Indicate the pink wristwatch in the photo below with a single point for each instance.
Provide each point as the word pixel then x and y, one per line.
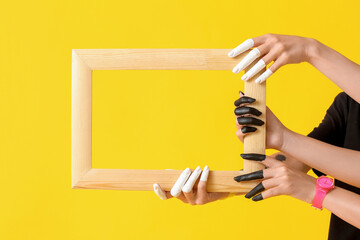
pixel 323 186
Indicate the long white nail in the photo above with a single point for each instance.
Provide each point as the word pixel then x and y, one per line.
pixel 159 192
pixel 247 60
pixel 192 179
pixel 264 76
pixel 205 174
pixel 180 182
pixel 254 70
pixel 246 45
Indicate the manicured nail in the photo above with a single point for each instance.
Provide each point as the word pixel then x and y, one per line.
pixel 247 129
pixel 244 77
pixel 191 181
pixel 205 174
pixel 264 76
pixel 241 92
pixel 259 188
pixel 253 156
pixel 257 198
pixel 180 182
pixel 250 176
pixel 161 194
pixel 244 99
pixel 231 54
pixel 236 70
pixel 250 120
pixel 246 110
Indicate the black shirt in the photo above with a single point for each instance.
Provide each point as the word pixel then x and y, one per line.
pixel 341 127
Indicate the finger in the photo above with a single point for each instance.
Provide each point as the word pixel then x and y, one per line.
pixel 250 120
pixel 191 181
pixel 254 70
pixel 271 162
pixel 246 45
pixel 246 110
pixel 158 191
pixel 250 176
pixel 272 192
pixel 182 198
pixel 279 62
pixel 247 60
pixel 259 188
pixel 247 129
pixel 260 174
pixel 253 156
pixel 203 180
pixel 180 182
pixel 243 100
pixel 264 76
pixel 266 184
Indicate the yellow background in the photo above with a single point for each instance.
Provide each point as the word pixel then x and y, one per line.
pixel 153 120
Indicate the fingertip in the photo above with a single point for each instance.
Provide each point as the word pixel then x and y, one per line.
pixel 191 181
pixel 258 198
pixel 236 70
pixel 231 54
pixel 205 174
pixel 159 192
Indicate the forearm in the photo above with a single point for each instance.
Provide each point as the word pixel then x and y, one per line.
pixel 339 69
pixel 344 204
pixel 340 163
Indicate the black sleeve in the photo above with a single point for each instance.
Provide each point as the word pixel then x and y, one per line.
pixel 332 129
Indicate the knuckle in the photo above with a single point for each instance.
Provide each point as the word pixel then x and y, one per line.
pixel 280 46
pixel 239 133
pixel 285 57
pixel 283 169
pixel 269 35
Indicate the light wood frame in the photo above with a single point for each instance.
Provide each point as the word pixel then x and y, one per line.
pixel 84 61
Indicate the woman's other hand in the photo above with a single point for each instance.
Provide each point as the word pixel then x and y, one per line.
pixel 280 49
pixel 246 122
pixel 278 179
pixel 189 190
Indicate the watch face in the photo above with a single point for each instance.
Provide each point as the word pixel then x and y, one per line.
pixel 325 182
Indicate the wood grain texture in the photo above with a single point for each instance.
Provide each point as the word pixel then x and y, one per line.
pixel 86 60
pixel 80 119
pixel 158 59
pixel 131 179
pixel 255 142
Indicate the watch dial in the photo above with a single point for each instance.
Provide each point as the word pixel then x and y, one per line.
pixel 325 182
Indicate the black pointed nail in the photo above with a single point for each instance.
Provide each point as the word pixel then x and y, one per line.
pixel 259 188
pixel 246 110
pixel 250 176
pixel 247 129
pixel 250 120
pixel 241 92
pixel 244 99
pixel 280 157
pixel 253 156
pixel 257 198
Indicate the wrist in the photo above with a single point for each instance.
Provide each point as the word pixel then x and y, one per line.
pixel 285 138
pixel 313 50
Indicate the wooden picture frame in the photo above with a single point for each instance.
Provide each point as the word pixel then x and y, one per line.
pixel 84 61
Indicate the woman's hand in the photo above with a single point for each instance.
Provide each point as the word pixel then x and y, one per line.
pixel 183 188
pixel 246 122
pixel 282 49
pixel 279 179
